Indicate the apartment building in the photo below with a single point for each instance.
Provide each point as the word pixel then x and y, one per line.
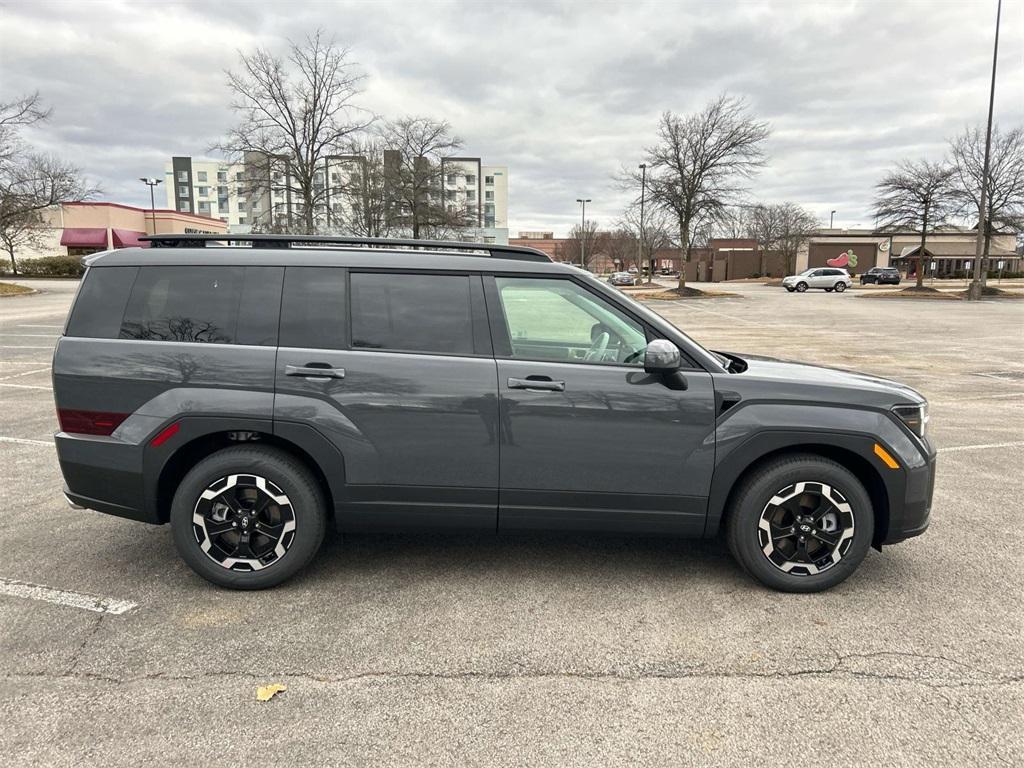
pixel 262 190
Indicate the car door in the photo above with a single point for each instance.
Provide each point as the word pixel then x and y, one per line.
pixel 396 370
pixel 818 279
pixel 588 439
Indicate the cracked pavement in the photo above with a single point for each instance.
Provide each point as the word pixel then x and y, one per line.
pixel 542 650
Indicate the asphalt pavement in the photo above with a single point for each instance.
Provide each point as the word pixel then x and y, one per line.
pixel 538 650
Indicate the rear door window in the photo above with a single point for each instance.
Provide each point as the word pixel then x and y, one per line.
pixel 313 308
pixel 412 313
pixel 184 303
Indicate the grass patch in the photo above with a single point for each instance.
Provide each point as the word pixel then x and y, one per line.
pixel 991 292
pixel 913 292
pixel 10 289
pixel 675 294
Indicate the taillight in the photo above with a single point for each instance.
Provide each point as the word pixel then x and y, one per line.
pixel 89 422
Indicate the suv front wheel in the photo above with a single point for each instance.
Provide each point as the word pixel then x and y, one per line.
pixel 248 517
pixel 800 523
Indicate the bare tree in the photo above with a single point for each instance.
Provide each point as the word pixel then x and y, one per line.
pixel 733 221
pixel 699 162
pixel 781 227
pixel 30 183
pixel 919 196
pixel 361 201
pixel 655 235
pixel 581 247
pixel 1004 203
pixel 293 112
pixel 414 169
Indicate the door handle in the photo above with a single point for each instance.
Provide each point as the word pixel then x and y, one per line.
pixel 314 371
pixel 537 383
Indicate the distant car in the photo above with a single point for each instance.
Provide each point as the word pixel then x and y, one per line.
pixel 621 278
pixel 881 276
pixel 827 278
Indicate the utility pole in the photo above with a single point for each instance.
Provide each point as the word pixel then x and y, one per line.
pixel 583 228
pixel 640 255
pixel 831 219
pixel 151 183
pixel 974 290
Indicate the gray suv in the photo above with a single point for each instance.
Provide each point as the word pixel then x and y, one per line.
pixel 254 394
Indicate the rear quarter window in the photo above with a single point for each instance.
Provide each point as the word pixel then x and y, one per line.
pixel 186 303
pixel 101 302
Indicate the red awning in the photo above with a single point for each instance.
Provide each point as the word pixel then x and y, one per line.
pixel 84 237
pixel 128 238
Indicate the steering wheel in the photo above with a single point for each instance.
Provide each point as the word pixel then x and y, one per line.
pixel 598 347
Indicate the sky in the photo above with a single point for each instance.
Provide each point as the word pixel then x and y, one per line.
pixel 563 93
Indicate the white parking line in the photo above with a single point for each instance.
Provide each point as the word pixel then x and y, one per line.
pixel 24 386
pixel 27 325
pixel 62 597
pixel 28 335
pixel 22 346
pixel 984 446
pixel 24 373
pixel 26 441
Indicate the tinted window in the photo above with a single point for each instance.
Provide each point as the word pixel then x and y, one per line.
pixel 313 308
pixel 260 307
pixel 559 320
pixel 193 304
pixel 413 313
pixel 101 301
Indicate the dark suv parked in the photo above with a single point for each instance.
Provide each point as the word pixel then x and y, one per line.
pixel 881 276
pixel 253 396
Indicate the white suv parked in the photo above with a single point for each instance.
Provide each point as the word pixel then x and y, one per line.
pixel 829 278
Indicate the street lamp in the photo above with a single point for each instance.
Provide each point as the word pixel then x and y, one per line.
pixel 974 289
pixel 583 227
pixel 831 219
pixel 151 183
pixel 640 255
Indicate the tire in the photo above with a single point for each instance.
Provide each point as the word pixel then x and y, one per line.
pixel 840 287
pixel 262 475
pixel 790 289
pixel 799 476
pixel 828 290
pixel 801 287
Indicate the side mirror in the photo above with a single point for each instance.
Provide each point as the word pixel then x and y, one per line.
pixel 661 356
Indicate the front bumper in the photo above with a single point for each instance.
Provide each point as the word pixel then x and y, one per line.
pixel 912 516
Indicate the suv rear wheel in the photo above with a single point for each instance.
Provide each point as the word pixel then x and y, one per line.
pixel 840 287
pixel 800 523
pixel 248 517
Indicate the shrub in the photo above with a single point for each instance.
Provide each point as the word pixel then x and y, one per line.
pixel 49 266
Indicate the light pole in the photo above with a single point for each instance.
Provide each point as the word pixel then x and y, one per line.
pixel 640 255
pixel 151 183
pixel 974 290
pixel 831 219
pixel 583 227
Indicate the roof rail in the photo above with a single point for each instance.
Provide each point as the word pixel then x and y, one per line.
pixel 519 253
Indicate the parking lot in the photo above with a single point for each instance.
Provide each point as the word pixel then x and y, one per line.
pixel 538 650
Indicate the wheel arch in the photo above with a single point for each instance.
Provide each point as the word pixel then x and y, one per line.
pixel 164 469
pixel 843 449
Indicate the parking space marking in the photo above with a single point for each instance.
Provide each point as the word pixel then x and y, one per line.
pixel 29 591
pixel 28 335
pixel 24 373
pixel 27 325
pixel 26 441
pixel 983 446
pixel 22 346
pixel 24 386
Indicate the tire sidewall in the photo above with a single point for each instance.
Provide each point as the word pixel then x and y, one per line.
pixel 801 287
pixel 840 287
pixel 283 471
pixel 746 513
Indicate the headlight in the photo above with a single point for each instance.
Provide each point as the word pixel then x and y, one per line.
pixel 914 416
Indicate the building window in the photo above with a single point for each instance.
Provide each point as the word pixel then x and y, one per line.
pixel 488 195
pixel 452 178
pixel 222 176
pixel 489 181
pixel 183 206
pixel 182 175
pixel 204 191
pixel 449 194
pixel 182 190
pixel 201 175
pixel 470 178
pixel 471 195
pixel 204 206
pixel 239 176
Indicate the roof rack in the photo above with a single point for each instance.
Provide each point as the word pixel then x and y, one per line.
pixel 493 250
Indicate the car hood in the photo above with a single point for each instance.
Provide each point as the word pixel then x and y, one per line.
pixel 832 384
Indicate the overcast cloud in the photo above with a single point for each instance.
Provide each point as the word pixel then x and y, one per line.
pixel 563 93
